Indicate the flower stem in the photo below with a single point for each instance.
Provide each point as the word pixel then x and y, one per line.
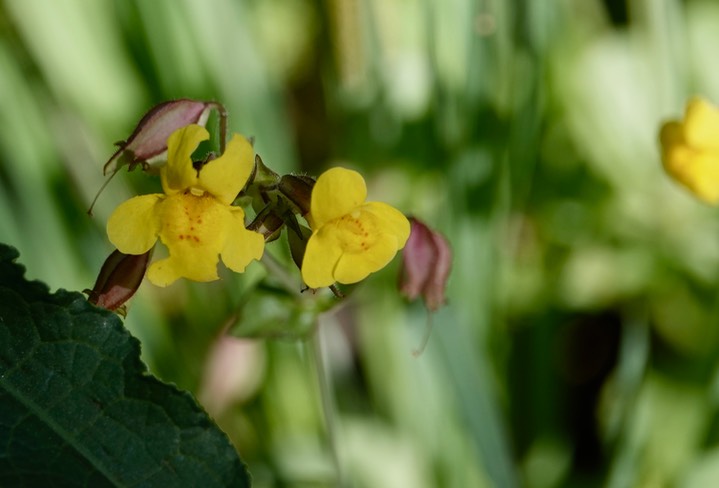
pixel 94 200
pixel 275 268
pixel 428 331
pixel 222 115
pixel 326 397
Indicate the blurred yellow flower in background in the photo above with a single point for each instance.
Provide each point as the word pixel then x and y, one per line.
pixel 194 218
pixel 690 149
pixel 350 238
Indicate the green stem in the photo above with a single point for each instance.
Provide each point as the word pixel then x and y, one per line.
pixel 326 397
pixel 222 115
pixel 276 269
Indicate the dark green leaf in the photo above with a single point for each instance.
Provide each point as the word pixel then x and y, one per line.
pixel 78 408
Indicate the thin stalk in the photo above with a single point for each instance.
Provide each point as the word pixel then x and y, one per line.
pixel 326 397
pixel 94 200
pixel 276 269
pixel 222 115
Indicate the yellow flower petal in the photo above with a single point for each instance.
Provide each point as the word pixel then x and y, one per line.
pixel 695 163
pixel 225 176
pixel 354 267
pixel 701 174
pixel 194 229
pixel 389 220
pixel 184 262
pixel 701 126
pixel 242 245
pixel 134 225
pixel 178 174
pixel 321 256
pixel 338 191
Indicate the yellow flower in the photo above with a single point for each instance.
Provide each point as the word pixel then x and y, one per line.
pixel 194 218
pixel 350 238
pixel 690 149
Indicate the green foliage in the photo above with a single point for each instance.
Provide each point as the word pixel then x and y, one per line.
pixel 78 408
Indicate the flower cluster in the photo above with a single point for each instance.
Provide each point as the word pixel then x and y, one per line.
pixel 335 235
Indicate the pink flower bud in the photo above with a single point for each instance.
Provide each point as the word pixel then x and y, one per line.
pixel 119 279
pixel 426 262
pixel 148 142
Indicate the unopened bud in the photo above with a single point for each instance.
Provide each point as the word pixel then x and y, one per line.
pixel 267 223
pixel 426 263
pixel 148 142
pixel 298 190
pixel 262 175
pixel 119 279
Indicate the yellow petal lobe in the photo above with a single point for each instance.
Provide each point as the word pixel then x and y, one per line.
pixel 242 245
pixel 133 226
pixel 389 220
pixel 321 256
pixel 337 192
pixel 690 150
pixel 225 176
pixel 701 126
pixel 354 267
pixel 183 263
pixel 178 174
pixel 194 229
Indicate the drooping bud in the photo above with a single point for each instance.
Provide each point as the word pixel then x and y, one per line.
pixel 426 263
pixel 267 223
pixel 298 190
pixel 148 142
pixel 119 279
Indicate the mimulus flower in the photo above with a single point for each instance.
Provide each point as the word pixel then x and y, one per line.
pixel 194 218
pixel 690 149
pixel 350 238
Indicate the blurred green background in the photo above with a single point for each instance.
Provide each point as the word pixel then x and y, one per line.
pixel 579 345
